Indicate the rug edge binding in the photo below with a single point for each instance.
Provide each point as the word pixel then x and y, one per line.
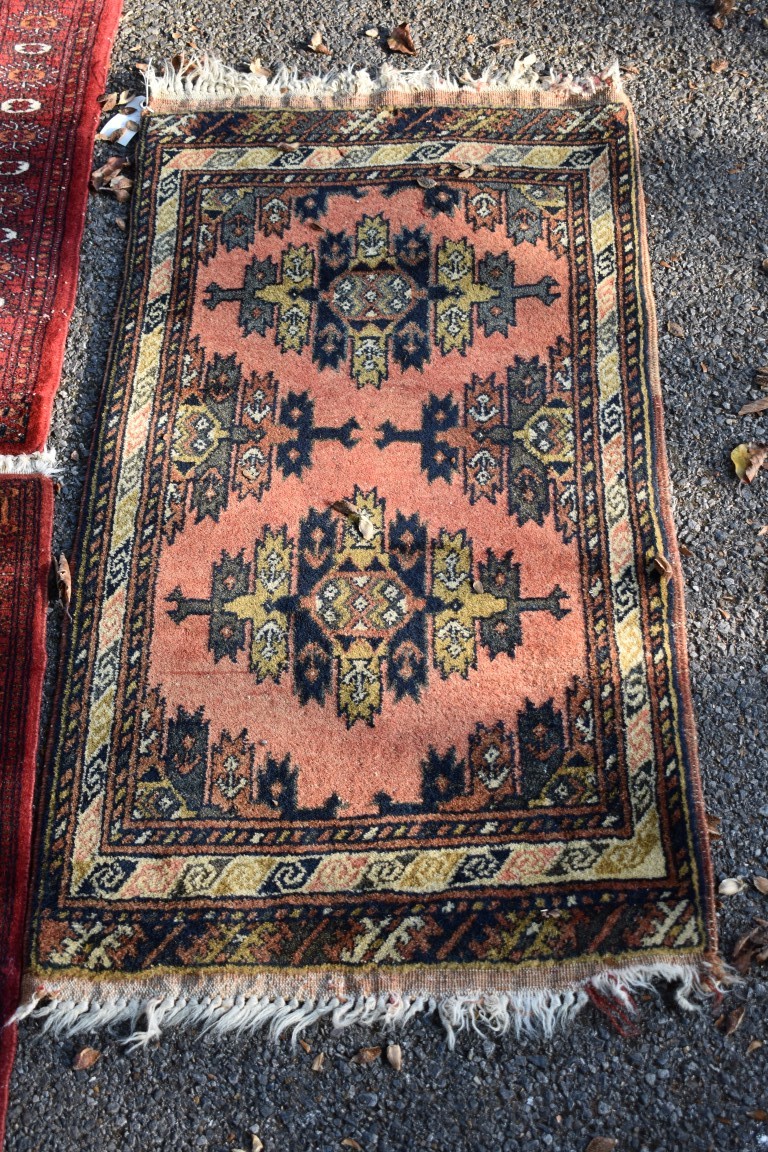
pixel 200 82
pixel 534 1011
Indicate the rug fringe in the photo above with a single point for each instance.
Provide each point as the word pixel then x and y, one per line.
pixel 200 81
pixel 43 462
pixel 525 1011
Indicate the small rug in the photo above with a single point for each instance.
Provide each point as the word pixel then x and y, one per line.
pixel 375 700
pixel 26 516
pixel 53 61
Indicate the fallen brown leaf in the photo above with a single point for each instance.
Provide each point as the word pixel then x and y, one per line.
pixel 86 1058
pixel 719 65
pixel 753 406
pixel 401 40
pixel 729 1022
pixel 753 1046
pixel 64 582
pixel 101 177
pixel 758 1114
pixel 466 172
pixel 316 44
pixel 504 42
pixel 256 68
pixel 349 1142
pixel 713 826
pixel 111 100
pixel 120 223
pixel 366 1055
pixel 751 948
pixel 601 1144
pixel 764 530
pixel 426 182
pixel 305 1044
pixel 684 549
pixel 317 1063
pixel 662 566
pixel 721 10
pixel 676 329
pixel 761 376
pixel 761 883
pixel 256 1143
pixel 748 459
pixel 394 1056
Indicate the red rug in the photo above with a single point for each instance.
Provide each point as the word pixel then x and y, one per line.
pixel 53 63
pixel 26 516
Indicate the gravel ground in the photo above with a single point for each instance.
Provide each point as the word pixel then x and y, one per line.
pixel 681 1084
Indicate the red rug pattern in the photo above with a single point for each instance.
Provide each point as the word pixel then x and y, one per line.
pixel 53 63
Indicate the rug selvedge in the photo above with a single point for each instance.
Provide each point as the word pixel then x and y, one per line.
pixel 456 756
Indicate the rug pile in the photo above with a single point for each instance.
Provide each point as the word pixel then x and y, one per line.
pixel 374 700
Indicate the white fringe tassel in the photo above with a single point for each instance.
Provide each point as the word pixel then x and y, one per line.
pixel 44 462
pixel 527 1011
pixel 204 80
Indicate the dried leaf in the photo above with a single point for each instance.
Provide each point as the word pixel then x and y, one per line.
pixel 426 182
pixel 684 550
pixel 349 1142
pixel 719 65
pixel 713 826
pixel 764 530
pixel 111 100
pixel 761 883
pixel 100 177
pixel 344 507
pixel 64 582
pixel 758 1114
pixel 256 1144
pixel 394 1056
pixel 721 10
pixel 601 1144
pixel 761 376
pixel 662 566
pixel 86 1058
pixel 120 223
pixel 287 147
pixel 316 44
pixel 748 459
pixel 477 586
pixel 466 172
pixel 305 1044
pixel 366 1055
pixel 732 886
pixel 676 329
pixel 401 40
pixel 753 1046
pixel 504 42
pixel 317 1063
pixel 257 69
pixel 760 405
pixel 729 1022
pixel 372 33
